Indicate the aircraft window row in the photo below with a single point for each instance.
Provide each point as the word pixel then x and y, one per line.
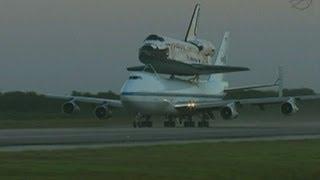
pixel 135 77
pixel 154 37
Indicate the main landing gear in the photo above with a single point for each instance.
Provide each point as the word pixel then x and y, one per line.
pixel 142 121
pixel 205 118
pixel 172 122
pixel 188 122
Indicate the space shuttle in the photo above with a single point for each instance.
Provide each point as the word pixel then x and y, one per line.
pixel 188 57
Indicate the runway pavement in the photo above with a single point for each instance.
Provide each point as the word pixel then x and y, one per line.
pixel 33 139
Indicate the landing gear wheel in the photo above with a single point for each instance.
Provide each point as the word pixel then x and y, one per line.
pixel 170 124
pixel 203 124
pixel 135 124
pixel 189 123
pixel 211 116
pixel 142 121
pixel 147 124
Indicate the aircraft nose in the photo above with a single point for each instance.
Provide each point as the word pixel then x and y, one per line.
pixel 147 50
pixel 149 47
pixel 152 51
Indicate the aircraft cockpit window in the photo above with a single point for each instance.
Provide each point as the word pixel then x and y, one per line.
pixel 135 77
pixel 154 37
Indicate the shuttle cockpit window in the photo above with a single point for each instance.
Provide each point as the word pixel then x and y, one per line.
pixel 135 77
pixel 154 37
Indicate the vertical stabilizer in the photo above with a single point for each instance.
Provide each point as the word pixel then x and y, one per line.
pixel 280 81
pixel 222 55
pixel 193 26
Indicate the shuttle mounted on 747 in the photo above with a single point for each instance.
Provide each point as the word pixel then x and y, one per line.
pixel 188 57
pixel 151 90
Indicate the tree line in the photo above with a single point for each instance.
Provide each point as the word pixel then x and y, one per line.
pixel 23 102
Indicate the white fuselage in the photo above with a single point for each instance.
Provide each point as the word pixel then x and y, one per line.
pixel 150 93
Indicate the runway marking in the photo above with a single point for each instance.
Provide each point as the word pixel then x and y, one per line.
pixel 51 139
pixel 136 144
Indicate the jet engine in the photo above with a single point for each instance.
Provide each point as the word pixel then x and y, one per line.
pixel 70 107
pixel 103 111
pixel 229 112
pixel 290 107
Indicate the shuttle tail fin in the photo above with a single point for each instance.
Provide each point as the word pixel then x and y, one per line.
pixel 193 26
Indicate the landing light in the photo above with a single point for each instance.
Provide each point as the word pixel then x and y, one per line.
pixel 191 105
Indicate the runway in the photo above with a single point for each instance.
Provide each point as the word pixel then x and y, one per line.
pixel 37 139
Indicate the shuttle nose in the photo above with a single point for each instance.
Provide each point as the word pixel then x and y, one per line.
pixel 148 48
pixel 152 51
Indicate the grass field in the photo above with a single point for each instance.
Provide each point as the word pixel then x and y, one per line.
pixel 241 160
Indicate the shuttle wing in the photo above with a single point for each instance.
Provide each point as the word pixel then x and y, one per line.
pixel 198 106
pixel 216 69
pixel 110 102
pixel 183 69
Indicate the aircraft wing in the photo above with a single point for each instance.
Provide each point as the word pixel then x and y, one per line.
pixel 110 102
pixel 183 69
pixel 218 104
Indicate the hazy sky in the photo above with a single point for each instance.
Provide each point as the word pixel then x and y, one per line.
pixel 56 46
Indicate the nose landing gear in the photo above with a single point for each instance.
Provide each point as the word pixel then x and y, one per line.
pixel 205 118
pixel 185 121
pixel 189 123
pixel 170 122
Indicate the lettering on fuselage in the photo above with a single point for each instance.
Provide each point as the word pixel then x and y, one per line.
pixel 188 54
pixel 159 48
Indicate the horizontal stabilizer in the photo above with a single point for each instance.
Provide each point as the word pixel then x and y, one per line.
pixel 183 69
pixel 249 87
pixel 278 83
pixel 218 104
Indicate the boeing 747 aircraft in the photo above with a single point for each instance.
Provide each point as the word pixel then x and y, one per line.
pixel 149 93
pixel 188 57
